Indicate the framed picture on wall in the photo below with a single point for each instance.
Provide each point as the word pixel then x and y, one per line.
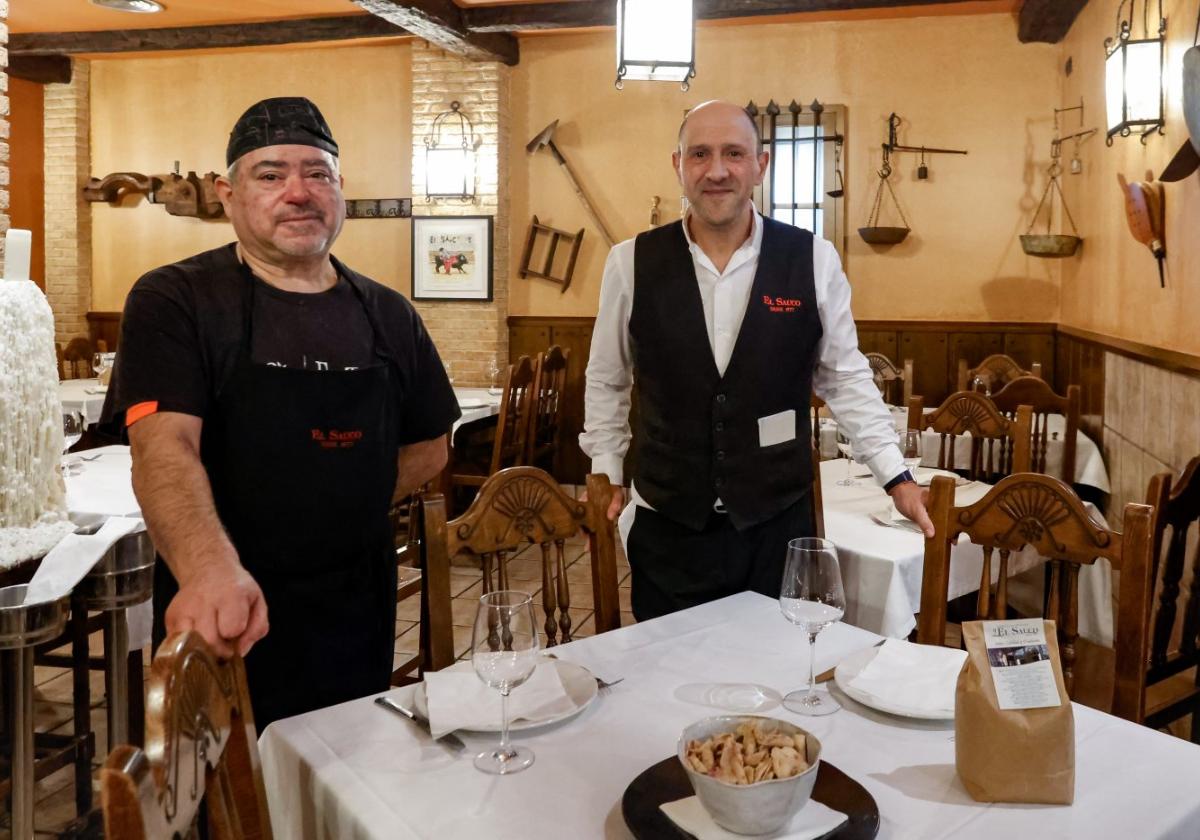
pixel 452 258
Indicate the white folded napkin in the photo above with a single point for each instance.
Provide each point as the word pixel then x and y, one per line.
pixel 97 389
pixel 74 557
pixel 458 699
pixel 921 678
pixel 926 475
pixel 813 820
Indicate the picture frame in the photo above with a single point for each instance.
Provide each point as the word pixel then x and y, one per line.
pixel 452 257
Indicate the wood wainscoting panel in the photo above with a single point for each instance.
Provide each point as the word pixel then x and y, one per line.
pixel 106 327
pixel 1028 348
pixel 929 351
pixel 973 347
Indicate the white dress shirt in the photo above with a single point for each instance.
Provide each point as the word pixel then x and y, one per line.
pixel 841 377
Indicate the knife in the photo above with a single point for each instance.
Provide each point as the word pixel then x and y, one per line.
pixel 826 676
pixel 449 740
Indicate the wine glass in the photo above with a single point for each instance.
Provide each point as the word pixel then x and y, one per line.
pixel 811 596
pixel 910 447
pixel 504 651
pixel 97 364
pixel 494 378
pixel 845 447
pixel 449 366
pixel 73 425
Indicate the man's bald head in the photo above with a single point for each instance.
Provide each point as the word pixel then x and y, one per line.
pixel 720 108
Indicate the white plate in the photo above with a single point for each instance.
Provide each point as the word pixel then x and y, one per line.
pixel 578 682
pixel 852 666
pixel 471 402
pixel 884 517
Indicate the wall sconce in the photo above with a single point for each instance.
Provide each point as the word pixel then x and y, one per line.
pixel 1133 72
pixel 450 156
pixel 656 40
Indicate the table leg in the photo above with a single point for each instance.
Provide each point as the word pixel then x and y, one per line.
pixel 81 692
pixel 18 671
pixel 116 676
pixel 137 699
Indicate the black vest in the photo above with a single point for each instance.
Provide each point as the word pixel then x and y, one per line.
pixel 697 436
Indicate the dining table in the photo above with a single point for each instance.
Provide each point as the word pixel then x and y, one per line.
pixel 85 396
pixel 356 771
pixel 883 564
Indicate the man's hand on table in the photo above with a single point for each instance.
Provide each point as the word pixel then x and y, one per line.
pixel 910 499
pixel 222 603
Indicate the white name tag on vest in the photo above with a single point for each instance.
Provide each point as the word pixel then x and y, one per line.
pixel 777 428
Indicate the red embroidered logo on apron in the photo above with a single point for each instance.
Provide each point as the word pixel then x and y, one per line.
pixel 781 304
pixel 336 438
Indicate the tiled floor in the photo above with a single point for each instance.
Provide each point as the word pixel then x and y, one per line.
pixel 55 808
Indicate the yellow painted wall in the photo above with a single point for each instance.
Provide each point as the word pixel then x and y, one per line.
pixel 149 112
pixel 959 82
pixel 1113 286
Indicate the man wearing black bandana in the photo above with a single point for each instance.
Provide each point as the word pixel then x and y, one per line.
pixel 276 401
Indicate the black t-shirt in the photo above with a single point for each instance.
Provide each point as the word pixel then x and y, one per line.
pixel 184 324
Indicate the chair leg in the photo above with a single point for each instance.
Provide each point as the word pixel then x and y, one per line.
pixel 137 699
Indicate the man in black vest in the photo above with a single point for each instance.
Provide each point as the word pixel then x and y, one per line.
pixel 729 321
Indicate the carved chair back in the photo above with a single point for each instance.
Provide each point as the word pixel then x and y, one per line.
pixel 994 372
pixel 1039 396
pixel 200 744
pixel 997 445
pixel 75 359
pixel 1175 622
pixel 510 439
pixel 894 383
pixel 428 578
pixel 1046 515
pixel 545 424
pixel 520 506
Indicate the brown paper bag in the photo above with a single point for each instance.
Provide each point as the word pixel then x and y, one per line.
pixel 1019 755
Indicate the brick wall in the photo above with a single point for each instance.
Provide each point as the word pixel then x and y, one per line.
pixel 467 333
pixel 68 217
pixel 4 219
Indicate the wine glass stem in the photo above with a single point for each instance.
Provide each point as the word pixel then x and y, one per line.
pixel 503 749
pixel 812 663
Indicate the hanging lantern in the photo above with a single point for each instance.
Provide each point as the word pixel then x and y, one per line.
pixel 450 156
pixel 1133 72
pixel 656 40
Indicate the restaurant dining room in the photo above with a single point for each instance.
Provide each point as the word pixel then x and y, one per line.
pixel 354 486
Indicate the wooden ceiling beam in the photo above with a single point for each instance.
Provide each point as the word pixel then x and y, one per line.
pixel 43 69
pixel 442 23
pixel 1047 21
pixel 525 17
pixel 340 28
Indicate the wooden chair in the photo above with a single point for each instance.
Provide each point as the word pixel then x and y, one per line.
pixel 818 503
pixel 816 404
pixel 996 371
pixel 894 383
pixel 75 360
pixel 510 439
pixel 1027 509
pixel 523 505
pixel 419 576
pixel 200 745
pixel 546 419
pixel 1174 626
pixel 1039 396
pixel 999 446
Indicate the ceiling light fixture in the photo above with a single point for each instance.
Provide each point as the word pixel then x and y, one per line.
pixel 144 7
pixel 656 40
pixel 1133 74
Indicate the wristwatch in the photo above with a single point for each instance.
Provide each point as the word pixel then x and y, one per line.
pixel 900 479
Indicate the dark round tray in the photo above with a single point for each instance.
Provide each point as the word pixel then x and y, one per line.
pixel 667 781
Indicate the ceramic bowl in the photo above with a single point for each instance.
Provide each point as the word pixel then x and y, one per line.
pixel 759 808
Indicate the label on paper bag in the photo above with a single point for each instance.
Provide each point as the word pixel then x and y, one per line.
pixel 1022 670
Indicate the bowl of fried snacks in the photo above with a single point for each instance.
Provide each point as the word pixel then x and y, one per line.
pixel 751 773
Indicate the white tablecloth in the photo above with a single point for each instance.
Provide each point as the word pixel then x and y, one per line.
pixel 74 396
pixel 357 771
pixel 882 566
pixel 1089 462
pixel 474 412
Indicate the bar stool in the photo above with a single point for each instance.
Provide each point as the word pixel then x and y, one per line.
pixel 123 577
pixel 23 626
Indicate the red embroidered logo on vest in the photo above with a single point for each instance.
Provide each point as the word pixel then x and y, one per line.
pixel 336 438
pixel 781 304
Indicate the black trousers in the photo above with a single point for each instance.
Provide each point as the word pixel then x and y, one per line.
pixel 675 567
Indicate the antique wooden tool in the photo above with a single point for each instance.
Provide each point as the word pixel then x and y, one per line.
pixel 545 138
pixel 1144 206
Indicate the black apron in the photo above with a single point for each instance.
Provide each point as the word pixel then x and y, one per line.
pixel 302 466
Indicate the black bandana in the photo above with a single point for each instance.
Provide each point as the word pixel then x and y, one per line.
pixel 283 120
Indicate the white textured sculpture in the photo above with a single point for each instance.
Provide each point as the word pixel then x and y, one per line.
pixel 33 510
